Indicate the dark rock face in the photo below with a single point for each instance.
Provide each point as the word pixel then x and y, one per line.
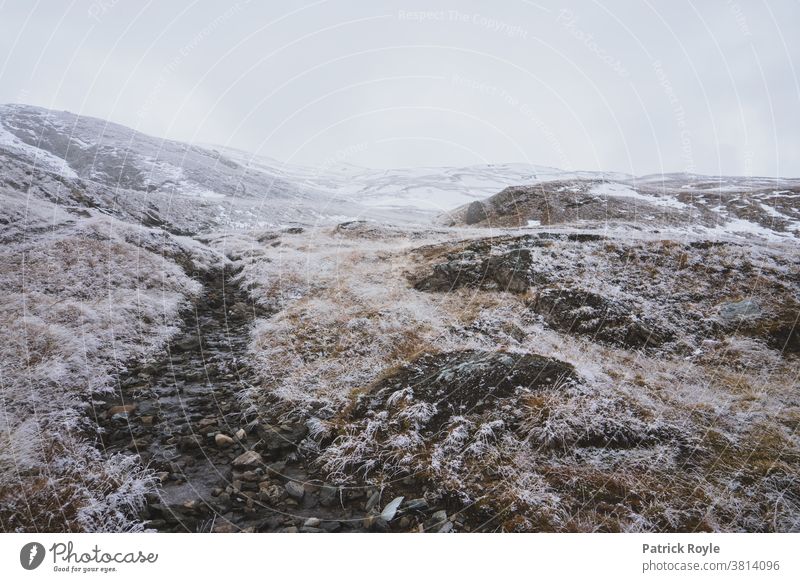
pixel 477 268
pixel 468 382
pixel 739 311
pixel 778 326
pixel 550 203
pixel 476 212
pixel 588 313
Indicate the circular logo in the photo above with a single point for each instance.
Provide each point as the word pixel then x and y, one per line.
pixel 31 555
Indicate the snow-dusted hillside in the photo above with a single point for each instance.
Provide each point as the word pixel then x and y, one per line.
pixel 195 188
pixel 199 338
pixel 683 206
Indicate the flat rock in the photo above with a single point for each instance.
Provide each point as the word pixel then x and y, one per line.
pixel 247 460
pixel 124 409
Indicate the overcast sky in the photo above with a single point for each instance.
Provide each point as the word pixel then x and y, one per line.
pixel 639 87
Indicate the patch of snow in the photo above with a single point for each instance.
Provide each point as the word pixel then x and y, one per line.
pixel 615 189
pixel 773 213
pixel 48 161
pixel 740 226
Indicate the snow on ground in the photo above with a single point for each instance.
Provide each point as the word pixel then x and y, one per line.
pixel 625 191
pixel 696 433
pixel 79 298
pixel 348 317
pixel 45 159
pixel 740 226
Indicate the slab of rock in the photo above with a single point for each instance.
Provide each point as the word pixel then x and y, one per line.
pixel 247 460
pixel 476 212
pixel 124 409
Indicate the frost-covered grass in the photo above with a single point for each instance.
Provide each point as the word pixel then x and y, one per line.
pixel 697 434
pixel 78 301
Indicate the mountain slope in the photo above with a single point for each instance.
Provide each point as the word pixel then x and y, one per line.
pixel 767 208
pixel 564 351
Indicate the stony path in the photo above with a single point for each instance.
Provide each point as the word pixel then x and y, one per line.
pixel 220 470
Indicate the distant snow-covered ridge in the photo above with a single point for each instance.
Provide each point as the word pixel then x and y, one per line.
pixel 203 187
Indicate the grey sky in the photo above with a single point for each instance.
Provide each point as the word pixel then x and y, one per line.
pixel 639 87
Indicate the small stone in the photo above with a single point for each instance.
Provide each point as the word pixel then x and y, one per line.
pixel 416 504
pixel 328 495
pixel 437 521
pixel 312 522
pixel 147 420
pixel 291 529
pixel 223 441
pixel 247 460
pixel 295 490
pixel 250 476
pixel 163 476
pixel 270 493
pixel 373 500
pixel 276 469
pixel 125 409
pixel 240 434
pixel 390 510
pixel 224 500
pixel 206 423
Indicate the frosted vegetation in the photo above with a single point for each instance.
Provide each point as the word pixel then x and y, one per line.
pixel 691 426
pixel 580 352
pixel 79 300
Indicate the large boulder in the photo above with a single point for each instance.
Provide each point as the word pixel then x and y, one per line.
pixel 476 212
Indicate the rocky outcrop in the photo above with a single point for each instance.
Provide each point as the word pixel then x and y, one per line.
pixel 466 383
pixel 555 202
pixel 476 212
pixel 477 267
pixel 602 319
